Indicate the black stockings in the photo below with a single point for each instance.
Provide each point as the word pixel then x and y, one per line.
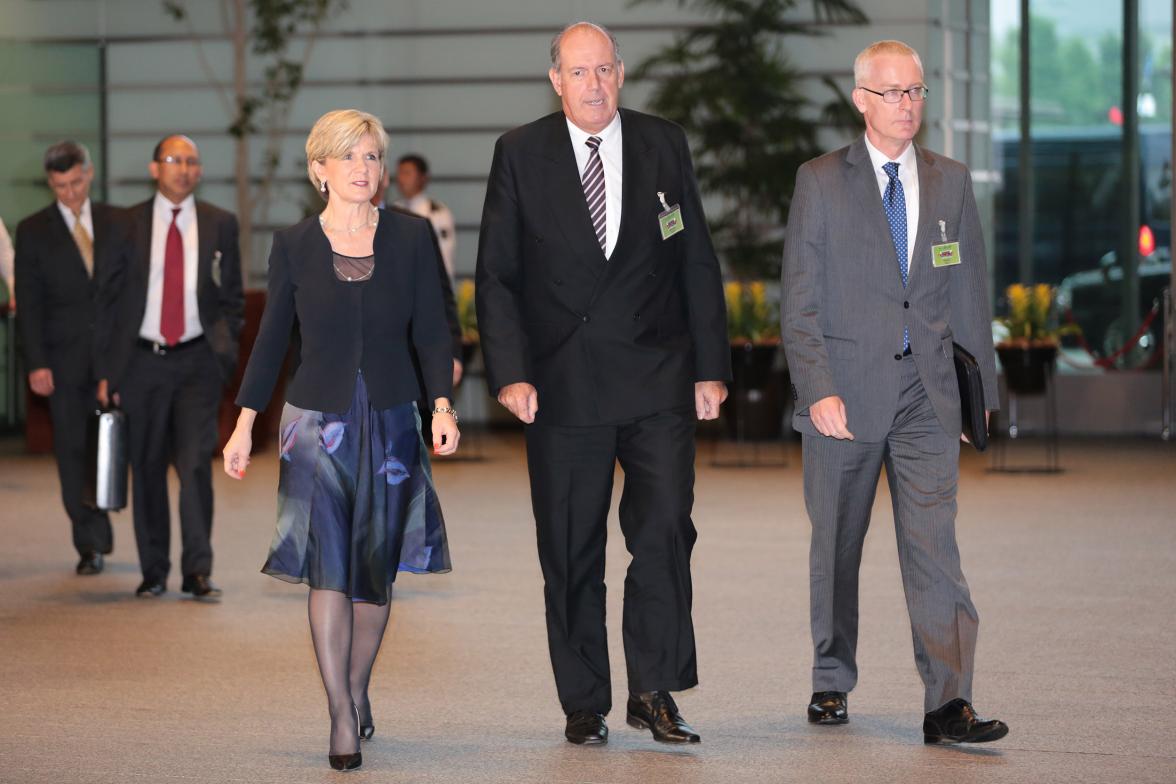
pixel 347 637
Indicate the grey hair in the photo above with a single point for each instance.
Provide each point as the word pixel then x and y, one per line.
pixel 861 63
pixel 63 156
pixel 558 39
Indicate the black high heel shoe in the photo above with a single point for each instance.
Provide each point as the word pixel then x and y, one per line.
pixel 366 731
pixel 345 761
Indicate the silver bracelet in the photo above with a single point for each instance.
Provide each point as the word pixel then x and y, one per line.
pixel 446 410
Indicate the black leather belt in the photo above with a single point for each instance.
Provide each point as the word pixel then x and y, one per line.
pixel 163 349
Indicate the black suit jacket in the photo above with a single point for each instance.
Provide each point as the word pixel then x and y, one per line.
pixel 220 296
pixel 57 326
pixel 348 327
pixel 601 340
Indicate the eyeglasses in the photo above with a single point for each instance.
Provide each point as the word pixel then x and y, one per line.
pixel 895 96
pixel 176 160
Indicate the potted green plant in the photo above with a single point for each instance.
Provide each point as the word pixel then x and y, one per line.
pixel 728 82
pixel 756 409
pixel 1030 350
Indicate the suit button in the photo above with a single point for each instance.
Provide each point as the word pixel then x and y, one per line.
pixel 898 357
pixel 906 304
pixel 636 316
pixel 585 318
pixel 558 281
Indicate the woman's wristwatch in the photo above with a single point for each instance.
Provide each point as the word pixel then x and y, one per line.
pixel 446 410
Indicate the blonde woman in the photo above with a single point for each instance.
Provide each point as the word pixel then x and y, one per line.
pixel 356 501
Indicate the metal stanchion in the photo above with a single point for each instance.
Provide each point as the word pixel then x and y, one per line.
pixel 1169 348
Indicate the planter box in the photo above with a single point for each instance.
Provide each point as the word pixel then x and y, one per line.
pixel 754 410
pixel 1027 368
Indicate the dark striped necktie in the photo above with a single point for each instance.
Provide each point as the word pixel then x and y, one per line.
pixel 594 189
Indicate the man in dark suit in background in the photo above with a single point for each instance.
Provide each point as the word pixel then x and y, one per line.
pixel 603 326
pixel 171 319
pixel 60 253
pixel 884 267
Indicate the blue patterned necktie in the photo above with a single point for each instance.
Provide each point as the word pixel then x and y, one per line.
pixel 894 202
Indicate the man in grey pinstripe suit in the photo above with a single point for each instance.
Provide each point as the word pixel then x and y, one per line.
pixel 884 266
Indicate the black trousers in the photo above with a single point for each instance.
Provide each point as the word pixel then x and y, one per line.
pixel 70 407
pixel 171 401
pixel 571 472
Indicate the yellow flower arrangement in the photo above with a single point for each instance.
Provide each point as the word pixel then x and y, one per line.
pixel 750 317
pixel 1030 319
pixel 467 315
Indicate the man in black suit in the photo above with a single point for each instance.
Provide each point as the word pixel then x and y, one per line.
pixel 60 252
pixel 170 344
pixel 603 326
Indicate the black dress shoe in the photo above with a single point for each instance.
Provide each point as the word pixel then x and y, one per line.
pixel 656 712
pixel 957 722
pixel 91 563
pixel 828 707
pixel 345 761
pixel 586 728
pixel 150 589
pixel 200 587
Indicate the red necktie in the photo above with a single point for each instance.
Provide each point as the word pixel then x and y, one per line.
pixel 171 316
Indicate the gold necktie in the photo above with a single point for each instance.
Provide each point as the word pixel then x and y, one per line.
pixel 85 244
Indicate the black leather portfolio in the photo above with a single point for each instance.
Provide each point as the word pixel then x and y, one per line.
pixel 971 397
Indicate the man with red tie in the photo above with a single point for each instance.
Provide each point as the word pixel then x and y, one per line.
pixel 168 337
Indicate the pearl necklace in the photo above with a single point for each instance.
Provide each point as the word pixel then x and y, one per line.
pixel 371 223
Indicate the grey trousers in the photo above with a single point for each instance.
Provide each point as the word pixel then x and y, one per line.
pixel 840 481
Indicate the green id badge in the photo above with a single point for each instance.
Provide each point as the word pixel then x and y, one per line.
pixel 945 255
pixel 670 221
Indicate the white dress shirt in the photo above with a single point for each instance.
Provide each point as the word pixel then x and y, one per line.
pixel 85 217
pixel 441 218
pixel 610 157
pixel 161 218
pixel 908 175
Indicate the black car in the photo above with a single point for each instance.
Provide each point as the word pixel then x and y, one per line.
pixel 1092 300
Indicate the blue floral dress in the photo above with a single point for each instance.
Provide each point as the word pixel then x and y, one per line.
pixel 356 501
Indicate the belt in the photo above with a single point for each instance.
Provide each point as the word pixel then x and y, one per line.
pixel 163 349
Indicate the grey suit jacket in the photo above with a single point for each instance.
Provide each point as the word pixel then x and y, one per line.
pixel 844 305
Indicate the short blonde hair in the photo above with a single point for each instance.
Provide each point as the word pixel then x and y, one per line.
pixel 861 63
pixel 335 133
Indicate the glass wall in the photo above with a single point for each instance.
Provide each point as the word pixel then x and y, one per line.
pixel 1077 229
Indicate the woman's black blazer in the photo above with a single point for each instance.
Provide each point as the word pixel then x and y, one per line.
pixel 347 327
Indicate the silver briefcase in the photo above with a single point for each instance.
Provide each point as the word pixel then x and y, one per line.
pixel 107 451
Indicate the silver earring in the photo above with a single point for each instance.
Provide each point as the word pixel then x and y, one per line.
pixel 323 187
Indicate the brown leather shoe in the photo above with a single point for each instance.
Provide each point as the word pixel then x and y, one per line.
pixel 957 722
pixel 656 712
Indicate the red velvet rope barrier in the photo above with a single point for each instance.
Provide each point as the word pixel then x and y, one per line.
pixel 1108 362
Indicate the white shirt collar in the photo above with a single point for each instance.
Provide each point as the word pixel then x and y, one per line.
pixel 579 136
pixel 67 213
pixel 905 161
pixel 164 205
